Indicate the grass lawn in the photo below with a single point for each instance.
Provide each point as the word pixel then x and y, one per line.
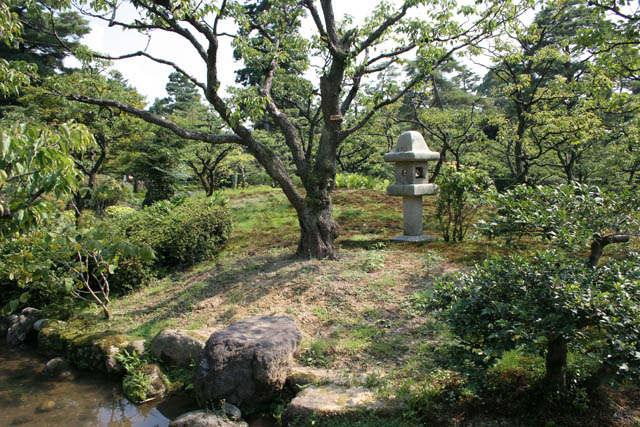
pixel 359 314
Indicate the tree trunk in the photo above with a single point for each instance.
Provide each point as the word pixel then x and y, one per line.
pixel 600 376
pixel 556 362
pixel 519 155
pixel 318 231
pixel 598 245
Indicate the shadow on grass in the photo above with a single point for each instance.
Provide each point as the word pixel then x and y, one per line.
pixel 234 282
pixel 361 244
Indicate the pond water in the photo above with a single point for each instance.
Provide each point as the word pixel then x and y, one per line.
pixel 29 399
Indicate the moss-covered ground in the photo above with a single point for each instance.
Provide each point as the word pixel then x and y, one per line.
pixel 358 313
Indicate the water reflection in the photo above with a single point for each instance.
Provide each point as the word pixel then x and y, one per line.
pixel 29 399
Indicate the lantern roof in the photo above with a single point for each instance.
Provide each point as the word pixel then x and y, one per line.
pixel 411 146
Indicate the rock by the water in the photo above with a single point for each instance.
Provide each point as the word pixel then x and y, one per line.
pixel 247 362
pixel 153 386
pixel 97 352
pixel 20 326
pixel 157 383
pixel 39 324
pixel 205 419
pixel 49 342
pixel 56 367
pixel 176 347
pixel 333 400
pixel 46 406
pixel 136 346
pixel 111 364
pixel 231 411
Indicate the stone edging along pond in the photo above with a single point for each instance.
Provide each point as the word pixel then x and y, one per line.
pixel 257 351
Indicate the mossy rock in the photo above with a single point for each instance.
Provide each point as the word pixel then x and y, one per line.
pixel 96 352
pixel 51 340
pixel 91 351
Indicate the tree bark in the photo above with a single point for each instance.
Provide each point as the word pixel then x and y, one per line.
pixel 318 231
pixel 598 245
pixel 556 363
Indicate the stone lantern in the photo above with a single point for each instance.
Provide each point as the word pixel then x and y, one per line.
pixel 412 182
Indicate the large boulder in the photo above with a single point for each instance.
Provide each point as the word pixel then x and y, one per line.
pixel 205 419
pixel 176 347
pixel 246 363
pixel 22 325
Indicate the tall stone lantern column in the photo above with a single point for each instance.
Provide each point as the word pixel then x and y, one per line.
pixel 410 156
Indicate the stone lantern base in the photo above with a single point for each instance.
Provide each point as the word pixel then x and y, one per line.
pixel 413 239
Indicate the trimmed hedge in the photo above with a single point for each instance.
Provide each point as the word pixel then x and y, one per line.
pixel 184 235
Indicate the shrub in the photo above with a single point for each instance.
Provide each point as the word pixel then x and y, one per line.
pixel 568 217
pixel 77 260
pixel 461 194
pixel 107 192
pixel 354 181
pixel 181 235
pixel 118 211
pixel 259 178
pixel 133 272
pixel 14 296
pixel 551 304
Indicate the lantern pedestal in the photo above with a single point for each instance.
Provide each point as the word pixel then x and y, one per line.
pixel 412 215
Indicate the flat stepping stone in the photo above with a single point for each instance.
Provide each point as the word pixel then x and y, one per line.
pixel 205 419
pixel 332 400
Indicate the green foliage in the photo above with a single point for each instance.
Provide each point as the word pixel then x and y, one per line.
pixel 354 181
pixel 133 272
pixel 35 161
pixel 106 192
pixel 135 386
pixel 14 293
pixel 566 216
pixel 374 261
pixel 181 235
pixel 118 211
pixel 462 192
pixel 515 303
pixel 75 260
pixel 136 382
pixel 14 75
pixel 42 26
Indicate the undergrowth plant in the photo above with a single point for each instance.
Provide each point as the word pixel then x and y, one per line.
pixel 462 193
pixel 354 181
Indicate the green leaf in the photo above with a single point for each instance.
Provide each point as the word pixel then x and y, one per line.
pixel 68 284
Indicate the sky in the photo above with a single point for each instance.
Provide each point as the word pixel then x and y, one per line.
pixel 150 78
